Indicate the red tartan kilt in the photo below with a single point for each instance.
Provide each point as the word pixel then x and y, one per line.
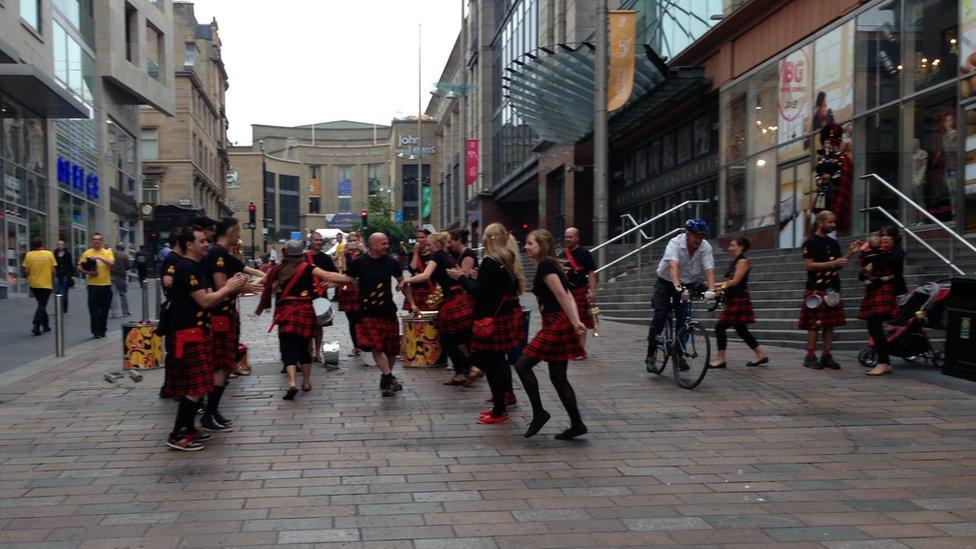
pixel 455 315
pixel 579 294
pixel 557 340
pixel 737 310
pixel 821 317
pixel 378 334
pixel 193 373
pixel 879 300
pixel 506 333
pixel 225 343
pixel 348 298
pixel 420 294
pixel 297 318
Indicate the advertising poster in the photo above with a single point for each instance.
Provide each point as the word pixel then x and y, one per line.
pixel 794 101
pixel 833 77
pixel 967 50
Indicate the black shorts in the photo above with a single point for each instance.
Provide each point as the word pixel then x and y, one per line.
pixel 295 349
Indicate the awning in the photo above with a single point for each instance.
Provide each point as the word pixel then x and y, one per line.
pixel 552 91
pixel 30 87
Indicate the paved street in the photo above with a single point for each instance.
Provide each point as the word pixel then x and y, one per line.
pixel 753 457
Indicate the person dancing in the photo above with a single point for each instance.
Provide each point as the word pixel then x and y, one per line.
pixel 418 263
pixel 293 283
pixel 737 312
pixel 496 291
pixel 559 340
pixel 348 294
pixel 883 271
pixel 454 313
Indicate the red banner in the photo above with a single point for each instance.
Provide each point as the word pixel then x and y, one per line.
pixel 470 161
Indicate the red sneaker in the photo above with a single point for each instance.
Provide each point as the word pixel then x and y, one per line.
pixel 488 420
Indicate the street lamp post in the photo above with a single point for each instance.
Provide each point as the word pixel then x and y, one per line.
pixel 264 200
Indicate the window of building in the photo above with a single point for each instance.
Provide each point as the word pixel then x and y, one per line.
pixel 131 28
pixel 931 47
pixel 344 187
pixel 74 67
pixel 150 191
pixel 878 56
pixel 932 158
pixel 373 175
pixel 149 144
pixel 30 12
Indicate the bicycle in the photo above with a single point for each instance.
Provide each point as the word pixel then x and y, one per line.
pixel 690 347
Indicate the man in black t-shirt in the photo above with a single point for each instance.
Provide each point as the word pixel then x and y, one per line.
pixel 378 330
pixel 581 276
pixel 320 259
pixel 823 262
pixel 167 269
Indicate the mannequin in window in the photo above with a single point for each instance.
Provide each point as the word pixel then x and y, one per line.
pixel 920 167
pixel 942 160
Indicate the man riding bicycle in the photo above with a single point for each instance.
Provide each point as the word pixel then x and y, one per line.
pixel 686 261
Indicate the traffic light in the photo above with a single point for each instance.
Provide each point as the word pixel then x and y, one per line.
pixel 251 213
pixel 363 215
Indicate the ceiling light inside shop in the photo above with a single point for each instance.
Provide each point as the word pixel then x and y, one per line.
pixel 761 162
pixel 952 40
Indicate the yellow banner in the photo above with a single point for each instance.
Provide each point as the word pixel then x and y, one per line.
pixel 622 26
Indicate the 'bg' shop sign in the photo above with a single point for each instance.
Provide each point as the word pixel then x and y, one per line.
pixel 73 176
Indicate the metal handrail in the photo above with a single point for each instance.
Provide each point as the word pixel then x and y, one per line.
pixel 628 254
pixel 905 229
pixel 922 210
pixel 644 224
pixel 634 221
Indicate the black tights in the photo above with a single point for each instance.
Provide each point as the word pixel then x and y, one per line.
pixel 557 375
pixel 876 329
pixel 741 329
pixel 353 318
pixel 499 375
pixel 452 344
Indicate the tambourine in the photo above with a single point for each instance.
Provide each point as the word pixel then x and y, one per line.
pixel 813 301
pixel 832 298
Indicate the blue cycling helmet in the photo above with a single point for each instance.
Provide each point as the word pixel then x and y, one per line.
pixel 696 226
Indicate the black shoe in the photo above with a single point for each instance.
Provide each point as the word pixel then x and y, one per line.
pixel 537 424
pixel 829 363
pixel 222 420
pixel 760 362
pixel 811 362
pixel 210 423
pixel 36 331
pixel 201 436
pixel 718 366
pixel 649 364
pixel 572 432
pixel 680 364
pixel 46 329
pixel 290 393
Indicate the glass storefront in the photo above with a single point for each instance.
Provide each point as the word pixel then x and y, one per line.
pixel 23 165
pixel 886 77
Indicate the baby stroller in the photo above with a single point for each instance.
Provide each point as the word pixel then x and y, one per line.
pixel 918 310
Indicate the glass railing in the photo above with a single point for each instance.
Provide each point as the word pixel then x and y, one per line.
pixel 152 68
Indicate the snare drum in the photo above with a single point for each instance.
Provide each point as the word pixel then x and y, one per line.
pixel 420 343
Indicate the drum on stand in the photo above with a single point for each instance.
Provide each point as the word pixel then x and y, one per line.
pixel 142 349
pixel 420 343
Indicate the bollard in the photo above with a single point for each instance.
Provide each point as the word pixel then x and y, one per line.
pixel 58 325
pixel 145 303
pixel 159 296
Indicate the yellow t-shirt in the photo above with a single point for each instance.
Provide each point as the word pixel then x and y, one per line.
pixel 40 266
pixel 104 277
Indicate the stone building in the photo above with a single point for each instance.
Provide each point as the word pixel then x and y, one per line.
pixel 185 156
pixel 73 75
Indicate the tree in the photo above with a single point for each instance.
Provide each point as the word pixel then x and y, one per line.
pixel 380 211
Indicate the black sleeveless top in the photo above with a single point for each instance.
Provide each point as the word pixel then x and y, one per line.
pixel 303 288
pixel 743 286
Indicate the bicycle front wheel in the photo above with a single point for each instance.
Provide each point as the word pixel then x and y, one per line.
pixel 692 351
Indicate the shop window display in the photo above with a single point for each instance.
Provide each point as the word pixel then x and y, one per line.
pixel 878 56
pixel 930 160
pixel 735 198
pixel 970 188
pixel 931 49
pixel 762 190
pixel 876 151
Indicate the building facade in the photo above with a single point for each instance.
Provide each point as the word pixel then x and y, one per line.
pixel 322 175
pixel 185 157
pixel 73 74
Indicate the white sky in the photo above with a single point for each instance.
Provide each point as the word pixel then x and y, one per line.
pixel 293 62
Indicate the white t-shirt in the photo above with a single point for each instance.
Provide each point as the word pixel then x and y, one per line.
pixel 691 269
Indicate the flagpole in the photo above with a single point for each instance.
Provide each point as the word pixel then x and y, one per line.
pixel 600 156
pixel 420 112
pixel 461 180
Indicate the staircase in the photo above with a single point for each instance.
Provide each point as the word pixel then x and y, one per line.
pixel 776 285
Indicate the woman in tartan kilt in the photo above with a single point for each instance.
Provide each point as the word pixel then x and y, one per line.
pixel 454 316
pixel 557 342
pixel 293 284
pixel 348 294
pixel 737 311
pixel 882 269
pixel 189 342
pixel 418 263
pixel 495 294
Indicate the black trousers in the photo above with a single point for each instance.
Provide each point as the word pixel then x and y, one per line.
pixel 42 295
pixel 353 318
pixel 876 329
pixel 664 300
pixel 740 328
pixel 99 302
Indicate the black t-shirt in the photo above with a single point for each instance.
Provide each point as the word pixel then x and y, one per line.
pixel 822 249
pixel 375 284
pixel 584 260
pixel 547 300
pixel 493 284
pixel 220 260
pixel 323 261
pixel 424 258
pixel 444 261
pixel 188 277
pixel 468 252
pixel 743 284
pixel 169 268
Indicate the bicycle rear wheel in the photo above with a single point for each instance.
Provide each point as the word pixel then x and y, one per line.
pixel 662 355
pixel 692 351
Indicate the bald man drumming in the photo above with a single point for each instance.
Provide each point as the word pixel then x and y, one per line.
pixel 378 330
pixel 582 278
